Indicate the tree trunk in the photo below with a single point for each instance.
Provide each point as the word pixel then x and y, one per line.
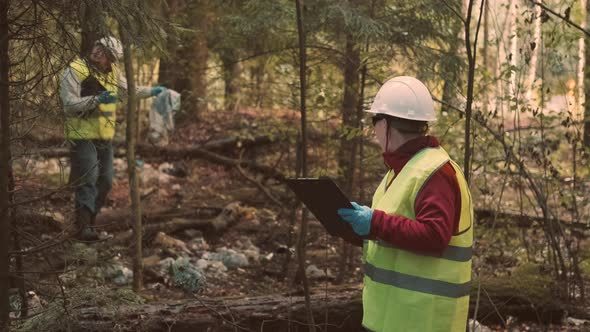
pixel 92 21
pixel 471 59
pixel 232 69
pixel 350 100
pixel 587 84
pixel 4 167
pixel 167 71
pixel 502 57
pixel 582 61
pixel 513 86
pixel 301 243
pixel 199 57
pixel 485 53
pixel 131 168
pixel 257 75
pixel 532 75
pixel 185 67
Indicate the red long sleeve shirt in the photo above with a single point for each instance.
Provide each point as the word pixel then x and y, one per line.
pixel 437 206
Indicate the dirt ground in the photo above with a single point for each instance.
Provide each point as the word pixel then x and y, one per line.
pixel 263 227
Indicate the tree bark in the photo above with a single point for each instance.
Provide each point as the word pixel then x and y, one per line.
pixel 4 167
pixel 131 167
pixel 532 75
pixel 199 56
pixel 301 243
pixel 341 311
pixel 451 72
pixel 185 68
pixel 350 100
pixel 232 69
pixel 167 69
pixel 582 61
pixel 471 59
pixel 586 134
pixel 92 21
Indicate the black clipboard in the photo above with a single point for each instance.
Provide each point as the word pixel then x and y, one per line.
pixel 323 198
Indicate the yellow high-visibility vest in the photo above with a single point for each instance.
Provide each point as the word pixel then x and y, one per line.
pixel 99 124
pixel 409 292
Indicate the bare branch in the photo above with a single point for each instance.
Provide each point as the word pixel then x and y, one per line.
pixel 565 19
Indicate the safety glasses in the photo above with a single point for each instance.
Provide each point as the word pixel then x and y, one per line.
pixel 377 117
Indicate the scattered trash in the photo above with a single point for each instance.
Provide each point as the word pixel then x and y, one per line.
pixel 151 176
pixel 198 245
pixel 202 264
pixel 187 276
pixel 175 170
pixel 475 326
pixel 168 241
pixel 313 272
pixel 82 253
pixel 229 257
pixel 161 116
pixel 577 322
pixel 119 274
pixel 68 278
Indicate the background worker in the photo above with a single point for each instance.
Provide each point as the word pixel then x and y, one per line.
pixel 417 259
pixel 90 89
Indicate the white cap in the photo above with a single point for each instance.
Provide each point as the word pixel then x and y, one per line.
pixel 113 45
pixel 404 97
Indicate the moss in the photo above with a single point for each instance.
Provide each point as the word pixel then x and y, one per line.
pixel 585 269
pixel 525 282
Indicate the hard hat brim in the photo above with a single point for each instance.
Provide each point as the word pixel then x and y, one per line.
pixel 373 111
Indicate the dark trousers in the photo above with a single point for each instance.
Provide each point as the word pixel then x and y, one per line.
pixel 91 172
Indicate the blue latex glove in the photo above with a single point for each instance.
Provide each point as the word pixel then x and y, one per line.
pixel 107 97
pixel 359 217
pixel 157 90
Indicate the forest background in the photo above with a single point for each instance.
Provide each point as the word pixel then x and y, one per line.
pixel 202 232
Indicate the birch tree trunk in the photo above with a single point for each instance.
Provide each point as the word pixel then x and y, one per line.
pixel 502 55
pixel 531 95
pixel 513 87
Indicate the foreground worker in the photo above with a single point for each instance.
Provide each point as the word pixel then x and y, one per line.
pixel 417 259
pixel 90 89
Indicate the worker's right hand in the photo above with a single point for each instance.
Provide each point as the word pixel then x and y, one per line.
pixel 107 97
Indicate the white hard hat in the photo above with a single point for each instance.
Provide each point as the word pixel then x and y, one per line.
pixel 113 45
pixel 404 97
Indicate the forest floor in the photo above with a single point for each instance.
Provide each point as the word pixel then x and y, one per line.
pixel 247 258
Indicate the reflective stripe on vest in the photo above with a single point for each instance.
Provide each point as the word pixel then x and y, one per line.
pixel 100 123
pixel 407 291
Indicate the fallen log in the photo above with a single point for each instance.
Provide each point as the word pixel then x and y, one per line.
pixel 334 309
pixel 174 153
pixel 340 310
pixel 486 217
pixel 170 220
pixel 150 150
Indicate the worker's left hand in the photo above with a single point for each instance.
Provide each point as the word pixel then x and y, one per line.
pixel 359 217
pixel 157 90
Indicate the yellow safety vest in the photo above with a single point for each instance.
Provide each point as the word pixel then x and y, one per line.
pixel 406 291
pixel 99 124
